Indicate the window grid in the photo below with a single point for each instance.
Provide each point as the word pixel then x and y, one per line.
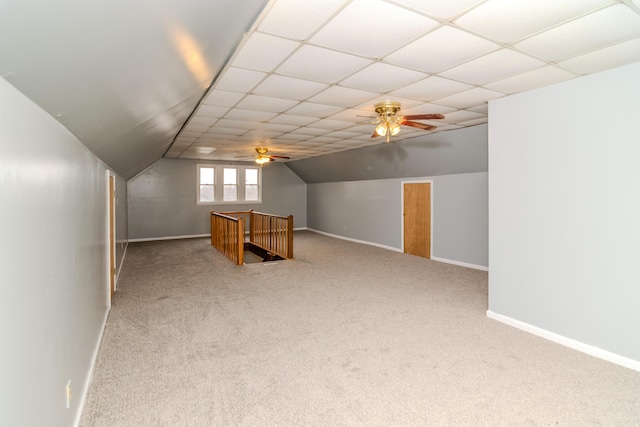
pixel 224 184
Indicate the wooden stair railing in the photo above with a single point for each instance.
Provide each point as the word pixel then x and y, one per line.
pixel 227 236
pixel 270 233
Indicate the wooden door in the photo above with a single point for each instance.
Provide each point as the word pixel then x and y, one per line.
pixel 112 237
pixel 417 219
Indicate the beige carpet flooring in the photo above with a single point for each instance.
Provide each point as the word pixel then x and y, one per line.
pixel 343 335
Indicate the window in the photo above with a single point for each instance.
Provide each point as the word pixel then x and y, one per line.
pixel 205 187
pixel 218 184
pixel 251 184
pixel 230 185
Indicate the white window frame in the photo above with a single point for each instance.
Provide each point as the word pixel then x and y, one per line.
pixel 218 186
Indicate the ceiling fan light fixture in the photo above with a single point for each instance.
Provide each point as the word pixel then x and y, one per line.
pixel 261 160
pixel 394 128
pixel 381 129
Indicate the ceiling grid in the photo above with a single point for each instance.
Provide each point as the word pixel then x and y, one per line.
pixel 309 74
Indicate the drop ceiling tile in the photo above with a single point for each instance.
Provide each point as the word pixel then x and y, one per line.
pixel 291 119
pixel 261 134
pixel 295 137
pixel 310 131
pixel 431 88
pixel 220 130
pixel 289 87
pixel 533 79
pixel 323 140
pixel 523 18
pixel 330 124
pixel 223 98
pixel 474 122
pixel 305 144
pixel 380 77
pixel 249 115
pixel 322 65
pixel 236 79
pixel 427 108
pixel 312 109
pixel 614 24
pixel 342 135
pixel 212 139
pixel 234 124
pixel 343 96
pixel 440 9
pixel 198 150
pixel 493 66
pixel 277 127
pixel 263 52
pixel 297 19
pixel 351 30
pixel 266 103
pixel 482 109
pixel 604 59
pixel 441 49
pixel 203 144
pixel 211 111
pixel 469 98
pixel 352 115
pixel 461 116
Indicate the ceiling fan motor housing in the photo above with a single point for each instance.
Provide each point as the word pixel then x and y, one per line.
pixel 386 110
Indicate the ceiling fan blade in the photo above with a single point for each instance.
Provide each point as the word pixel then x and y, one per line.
pixel 418 125
pixel 280 157
pixel 424 117
pixel 374 134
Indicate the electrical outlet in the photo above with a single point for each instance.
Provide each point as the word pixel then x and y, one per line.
pixel 68 394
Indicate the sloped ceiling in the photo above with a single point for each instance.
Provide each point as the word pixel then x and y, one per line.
pixel 214 79
pixel 123 76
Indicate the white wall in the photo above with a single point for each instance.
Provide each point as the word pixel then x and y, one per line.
pixel 371 211
pixel 54 264
pixel 564 205
pixel 162 199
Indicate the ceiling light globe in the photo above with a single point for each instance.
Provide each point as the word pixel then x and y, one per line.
pixel 394 128
pixel 381 129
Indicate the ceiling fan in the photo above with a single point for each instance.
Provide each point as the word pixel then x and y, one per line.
pixel 263 157
pixel 388 123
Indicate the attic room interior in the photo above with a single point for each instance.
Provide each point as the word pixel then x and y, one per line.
pixel 520 116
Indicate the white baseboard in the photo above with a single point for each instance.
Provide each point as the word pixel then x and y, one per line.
pixel 92 367
pixel 364 242
pixel 567 342
pixel 391 248
pixel 460 263
pixel 153 239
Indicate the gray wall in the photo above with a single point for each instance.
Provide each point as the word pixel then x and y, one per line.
pixel 54 253
pixel 564 188
pixel 162 199
pixel 371 211
pixel 442 153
